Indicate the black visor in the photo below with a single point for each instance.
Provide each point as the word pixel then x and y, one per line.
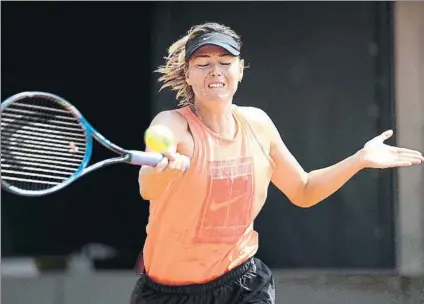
pixel 225 41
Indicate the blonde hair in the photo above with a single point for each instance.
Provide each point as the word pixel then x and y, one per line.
pixel 175 67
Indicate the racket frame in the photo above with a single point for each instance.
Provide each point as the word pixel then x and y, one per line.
pixel 138 158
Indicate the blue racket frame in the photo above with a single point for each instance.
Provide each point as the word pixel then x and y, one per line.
pixel 137 158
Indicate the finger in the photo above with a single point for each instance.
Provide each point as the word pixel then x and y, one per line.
pixel 182 163
pixel 162 165
pixel 177 164
pixel 407 151
pixel 386 134
pixel 185 163
pixel 170 155
pixel 412 156
pixel 171 165
pixel 403 163
pixel 412 160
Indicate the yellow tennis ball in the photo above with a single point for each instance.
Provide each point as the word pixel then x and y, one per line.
pixel 159 138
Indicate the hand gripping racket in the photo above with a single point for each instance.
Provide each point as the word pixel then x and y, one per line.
pixel 46 145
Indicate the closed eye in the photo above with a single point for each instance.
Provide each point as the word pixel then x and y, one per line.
pixel 206 64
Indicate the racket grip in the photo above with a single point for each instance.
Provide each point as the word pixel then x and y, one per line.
pixel 140 158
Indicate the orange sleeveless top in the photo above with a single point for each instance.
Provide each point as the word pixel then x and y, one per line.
pixel 202 226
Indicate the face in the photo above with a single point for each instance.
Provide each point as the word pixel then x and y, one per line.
pixel 214 74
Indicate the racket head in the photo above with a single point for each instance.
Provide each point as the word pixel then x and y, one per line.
pixel 45 144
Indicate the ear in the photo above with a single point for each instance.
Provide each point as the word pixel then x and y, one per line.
pixel 241 70
pixel 187 76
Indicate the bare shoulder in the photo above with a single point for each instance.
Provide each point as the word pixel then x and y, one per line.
pixel 173 120
pixel 262 124
pixel 170 118
pixel 257 117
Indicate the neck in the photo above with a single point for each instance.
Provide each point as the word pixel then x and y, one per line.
pixel 220 121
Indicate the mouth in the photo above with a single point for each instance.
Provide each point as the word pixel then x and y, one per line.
pixel 216 85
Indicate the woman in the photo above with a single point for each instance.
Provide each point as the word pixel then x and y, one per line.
pixel 201 243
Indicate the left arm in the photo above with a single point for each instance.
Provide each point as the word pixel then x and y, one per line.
pixel 308 189
pixel 322 183
pixel 302 188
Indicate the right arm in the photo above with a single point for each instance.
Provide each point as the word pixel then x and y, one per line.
pixel 153 181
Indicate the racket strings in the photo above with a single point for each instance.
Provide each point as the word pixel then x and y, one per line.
pixel 42 144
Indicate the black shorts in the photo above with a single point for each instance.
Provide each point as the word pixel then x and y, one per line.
pixel 249 283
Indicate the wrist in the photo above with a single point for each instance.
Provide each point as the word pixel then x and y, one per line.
pixel 359 159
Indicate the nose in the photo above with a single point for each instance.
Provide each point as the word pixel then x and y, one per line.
pixel 216 71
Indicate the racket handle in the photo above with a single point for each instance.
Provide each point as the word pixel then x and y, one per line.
pixel 140 158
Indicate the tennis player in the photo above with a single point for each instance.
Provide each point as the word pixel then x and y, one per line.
pixel 201 243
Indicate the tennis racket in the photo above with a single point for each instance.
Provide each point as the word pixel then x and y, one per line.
pixel 46 144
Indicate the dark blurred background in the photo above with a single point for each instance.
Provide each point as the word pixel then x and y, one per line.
pixel 322 71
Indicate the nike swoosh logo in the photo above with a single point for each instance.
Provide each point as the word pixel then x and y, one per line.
pixel 214 205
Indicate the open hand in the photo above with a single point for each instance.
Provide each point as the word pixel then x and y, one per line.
pixel 376 154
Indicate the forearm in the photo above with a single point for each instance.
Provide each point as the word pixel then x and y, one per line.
pixel 151 183
pixel 324 182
